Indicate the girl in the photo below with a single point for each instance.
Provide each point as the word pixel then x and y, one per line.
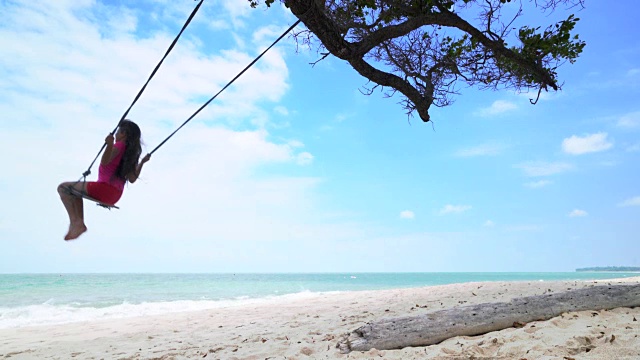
pixel 119 164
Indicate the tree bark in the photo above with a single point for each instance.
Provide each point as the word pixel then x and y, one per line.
pixel 432 328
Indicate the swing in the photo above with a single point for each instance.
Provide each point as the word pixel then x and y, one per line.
pixel 75 192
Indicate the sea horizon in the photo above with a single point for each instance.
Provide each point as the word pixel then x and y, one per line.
pixel 36 299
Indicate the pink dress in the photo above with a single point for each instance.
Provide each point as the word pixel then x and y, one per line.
pixel 109 187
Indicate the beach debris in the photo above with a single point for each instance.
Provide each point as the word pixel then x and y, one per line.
pixel 436 326
pixel 613 337
pixel 328 337
pixel 474 294
pixel 375 352
pixel 518 324
pixel 306 351
pixel 634 319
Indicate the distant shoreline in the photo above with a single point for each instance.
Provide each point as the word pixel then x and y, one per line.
pixel 611 269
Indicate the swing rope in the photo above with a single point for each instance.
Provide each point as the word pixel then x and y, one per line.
pixel 226 86
pixel 193 13
pixel 88 171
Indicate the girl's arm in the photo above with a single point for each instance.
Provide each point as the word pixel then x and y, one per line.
pixel 136 173
pixel 110 152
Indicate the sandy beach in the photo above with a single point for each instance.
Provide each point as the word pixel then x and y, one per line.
pixel 309 328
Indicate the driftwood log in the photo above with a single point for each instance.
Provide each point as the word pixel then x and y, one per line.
pixel 432 328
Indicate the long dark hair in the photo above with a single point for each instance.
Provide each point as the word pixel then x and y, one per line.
pixel 132 150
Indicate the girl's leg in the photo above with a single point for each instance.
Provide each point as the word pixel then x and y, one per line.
pixel 75 208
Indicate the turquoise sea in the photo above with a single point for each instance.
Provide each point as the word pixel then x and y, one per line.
pixel 41 299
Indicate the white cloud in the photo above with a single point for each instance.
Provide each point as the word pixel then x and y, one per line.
pixel 577 213
pixel 69 56
pixel 236 9
pixel 630 121
pixel 537 184
pixel 577 145
pixel 634 201
pixel 72 76
pixel 281 110
pixel 489 223
pixel 633 72
pixel 295 143
pixel 480 150
pixel 498 107
pixel 304 158
pixel 454 209
pixel 407 214
pixel 540 168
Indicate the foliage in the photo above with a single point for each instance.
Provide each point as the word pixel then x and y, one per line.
pixel 428 49
pixel 611 268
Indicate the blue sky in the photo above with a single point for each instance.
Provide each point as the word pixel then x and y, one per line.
pixel 292 169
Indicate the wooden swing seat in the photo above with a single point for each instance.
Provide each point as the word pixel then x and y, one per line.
pixel 77 193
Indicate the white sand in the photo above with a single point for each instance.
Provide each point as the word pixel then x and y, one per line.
pixel 309 329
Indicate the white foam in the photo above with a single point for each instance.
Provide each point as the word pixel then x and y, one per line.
pixel 48 314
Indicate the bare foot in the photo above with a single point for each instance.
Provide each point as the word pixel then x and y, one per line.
pixel 75 230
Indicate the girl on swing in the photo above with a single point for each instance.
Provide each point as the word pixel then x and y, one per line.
pixel 119 164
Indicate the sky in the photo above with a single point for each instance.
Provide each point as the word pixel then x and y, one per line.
pixel 292 168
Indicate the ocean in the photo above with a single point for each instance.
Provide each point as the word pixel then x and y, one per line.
pixel 45 299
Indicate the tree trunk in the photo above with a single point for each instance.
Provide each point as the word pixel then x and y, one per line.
pixel 432 328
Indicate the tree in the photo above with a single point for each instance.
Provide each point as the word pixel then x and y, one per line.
pixel 428 49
